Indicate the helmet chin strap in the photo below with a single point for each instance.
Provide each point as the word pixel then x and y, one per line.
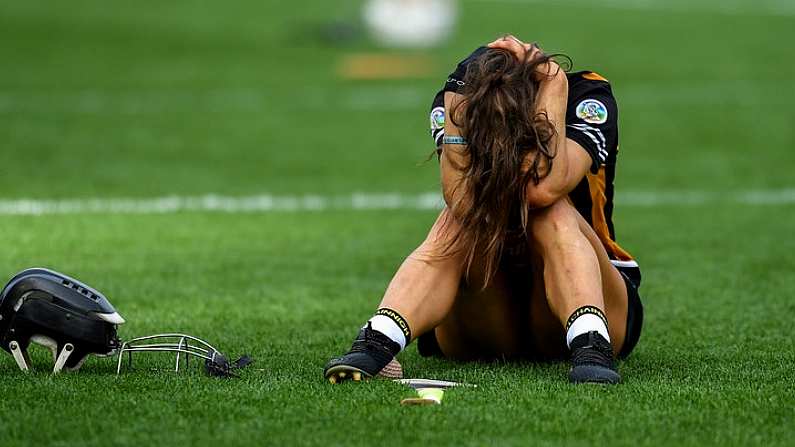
pixel 23 359
pixel 20 355
pixel 66 352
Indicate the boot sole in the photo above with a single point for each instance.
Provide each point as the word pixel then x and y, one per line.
pixel 341 373
pixel 594 374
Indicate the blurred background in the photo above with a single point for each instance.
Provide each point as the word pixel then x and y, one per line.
pixel 151 98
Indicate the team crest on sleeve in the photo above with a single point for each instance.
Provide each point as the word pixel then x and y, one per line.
pixel 592 111
pixel 437 118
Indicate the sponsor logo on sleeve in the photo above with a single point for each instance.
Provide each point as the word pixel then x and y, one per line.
pixel 455 81
pixel 592 111
pixel 437 118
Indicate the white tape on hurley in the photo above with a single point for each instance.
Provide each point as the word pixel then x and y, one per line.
pixel 427 396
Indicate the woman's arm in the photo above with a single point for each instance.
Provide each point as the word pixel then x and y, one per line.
pixel 571 162
pixel 453 163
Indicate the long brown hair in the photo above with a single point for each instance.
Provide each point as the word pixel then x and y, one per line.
pixel 508 146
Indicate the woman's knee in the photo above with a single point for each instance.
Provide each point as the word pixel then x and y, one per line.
pixel 440 245
pixel 554 226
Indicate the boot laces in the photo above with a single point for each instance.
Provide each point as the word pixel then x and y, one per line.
pixel 596 352
pixel 373 342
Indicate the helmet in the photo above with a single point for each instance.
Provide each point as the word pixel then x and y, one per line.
pixel 49 308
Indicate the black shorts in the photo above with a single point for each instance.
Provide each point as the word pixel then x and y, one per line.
pixel 428 346
pixel 632 279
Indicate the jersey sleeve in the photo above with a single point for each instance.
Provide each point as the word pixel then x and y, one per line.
pixel 454 83
pixel 592 121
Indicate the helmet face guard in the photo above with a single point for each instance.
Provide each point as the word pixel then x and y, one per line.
pixel 61 313
pixel 184 346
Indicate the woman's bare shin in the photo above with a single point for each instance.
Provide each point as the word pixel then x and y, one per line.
pixel 576 269
pixel 425 286
pixel 571 269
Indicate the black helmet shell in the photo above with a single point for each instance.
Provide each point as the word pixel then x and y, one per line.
pixel 39 303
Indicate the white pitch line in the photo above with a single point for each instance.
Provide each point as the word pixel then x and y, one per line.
pixel 223 204
pixel 264 203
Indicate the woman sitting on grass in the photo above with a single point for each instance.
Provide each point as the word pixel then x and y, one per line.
pixel 522 262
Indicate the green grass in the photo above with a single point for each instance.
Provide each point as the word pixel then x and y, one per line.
pixel 150 99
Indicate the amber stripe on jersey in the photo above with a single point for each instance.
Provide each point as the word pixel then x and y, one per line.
pixel 597 184
pixel 594 77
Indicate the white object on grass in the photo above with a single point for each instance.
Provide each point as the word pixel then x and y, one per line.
pixel 434 394
pixel 430 383
pixel 410 23
pixel 427 396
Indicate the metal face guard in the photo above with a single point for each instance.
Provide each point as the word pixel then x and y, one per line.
pixel 215 362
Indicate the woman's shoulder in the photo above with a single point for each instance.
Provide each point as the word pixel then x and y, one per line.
pixel 588 83
pixel 586 75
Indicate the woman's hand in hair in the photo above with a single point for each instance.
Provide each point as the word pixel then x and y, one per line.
pixel 520 50
pixel 547 72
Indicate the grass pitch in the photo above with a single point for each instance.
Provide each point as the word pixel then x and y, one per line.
pixel 154 99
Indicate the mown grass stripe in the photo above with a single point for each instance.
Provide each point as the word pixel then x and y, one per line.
pixel 352 202
pixel 732 7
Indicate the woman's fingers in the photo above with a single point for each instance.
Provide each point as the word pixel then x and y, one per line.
pixel 548 71
pixel 527 51
pixel 534 51
pixel 509 38
pixel 512 44
pixel 518 48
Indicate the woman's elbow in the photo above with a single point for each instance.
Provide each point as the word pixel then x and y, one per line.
pixel 540 197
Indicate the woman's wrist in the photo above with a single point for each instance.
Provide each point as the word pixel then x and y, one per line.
pixel 552 74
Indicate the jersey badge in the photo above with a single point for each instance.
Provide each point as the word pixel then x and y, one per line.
pixel 592 111
pixel 437 118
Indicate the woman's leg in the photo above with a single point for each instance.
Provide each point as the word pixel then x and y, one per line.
pixel 426 284
pixel 519 313
pixel 575 271
pixel 523 312
pixel 488 322
pixel 419 296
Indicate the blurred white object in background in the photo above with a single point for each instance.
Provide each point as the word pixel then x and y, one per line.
pixel 410 23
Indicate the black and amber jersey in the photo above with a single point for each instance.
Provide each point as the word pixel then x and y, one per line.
pixel 592 122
